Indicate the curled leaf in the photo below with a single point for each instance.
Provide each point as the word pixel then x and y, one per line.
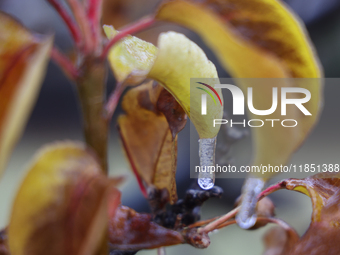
pixel 23 61
pixel 62 205
pixel 149 135
pixel 322 188
pixel 323 235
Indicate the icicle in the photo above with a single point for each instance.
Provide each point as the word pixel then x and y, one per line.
pixel 246 218
pixel 206 180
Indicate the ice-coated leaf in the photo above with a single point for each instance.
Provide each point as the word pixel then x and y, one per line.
pixel 62 206
pixel 177 60
pixel 257 39
pixel 149 135
pixel 130 56
pixel 23 61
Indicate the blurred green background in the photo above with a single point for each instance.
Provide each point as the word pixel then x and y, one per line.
pixel 56 117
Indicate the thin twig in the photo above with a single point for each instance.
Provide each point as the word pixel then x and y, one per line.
pixel 213 225
pixel 202 222
pixel 226 224
pixel 73 27
pixel 129 30
pixel 64 63
pixel 113 100
pixel 81 18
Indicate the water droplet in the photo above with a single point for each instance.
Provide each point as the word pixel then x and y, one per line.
pixel 246 221
pixel 206 183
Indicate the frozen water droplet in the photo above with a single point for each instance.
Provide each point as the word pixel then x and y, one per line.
pixel 246 218
pixel 206 183
pixel 206 179
pixel 247 221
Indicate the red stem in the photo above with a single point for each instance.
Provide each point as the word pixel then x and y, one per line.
pixel 64 63
pixel 113 100
pixel 93 13
pixel 81 18
pixel 129 30
pixel 73 27
pixel 271 189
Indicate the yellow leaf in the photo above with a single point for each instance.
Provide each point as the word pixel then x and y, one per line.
pixel 61 207
pixel 23 61
pixel 252 38
pixel 131 55
pixel 176 62
pixel 179 60
pixel 258 39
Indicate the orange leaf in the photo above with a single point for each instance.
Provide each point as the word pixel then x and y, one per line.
pixel 65 200
pixel 149 133
pixel 130 230
pixel 23 61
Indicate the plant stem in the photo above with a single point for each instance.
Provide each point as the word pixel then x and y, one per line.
pixel 94 13
pixel 213 225
pixel 64 63
pixel 226 224
pixel 129 30
pixel 81 18
pixel 202 222
pixel 271 189
pixel 74 29
pixel 113 100
pixel 91 88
